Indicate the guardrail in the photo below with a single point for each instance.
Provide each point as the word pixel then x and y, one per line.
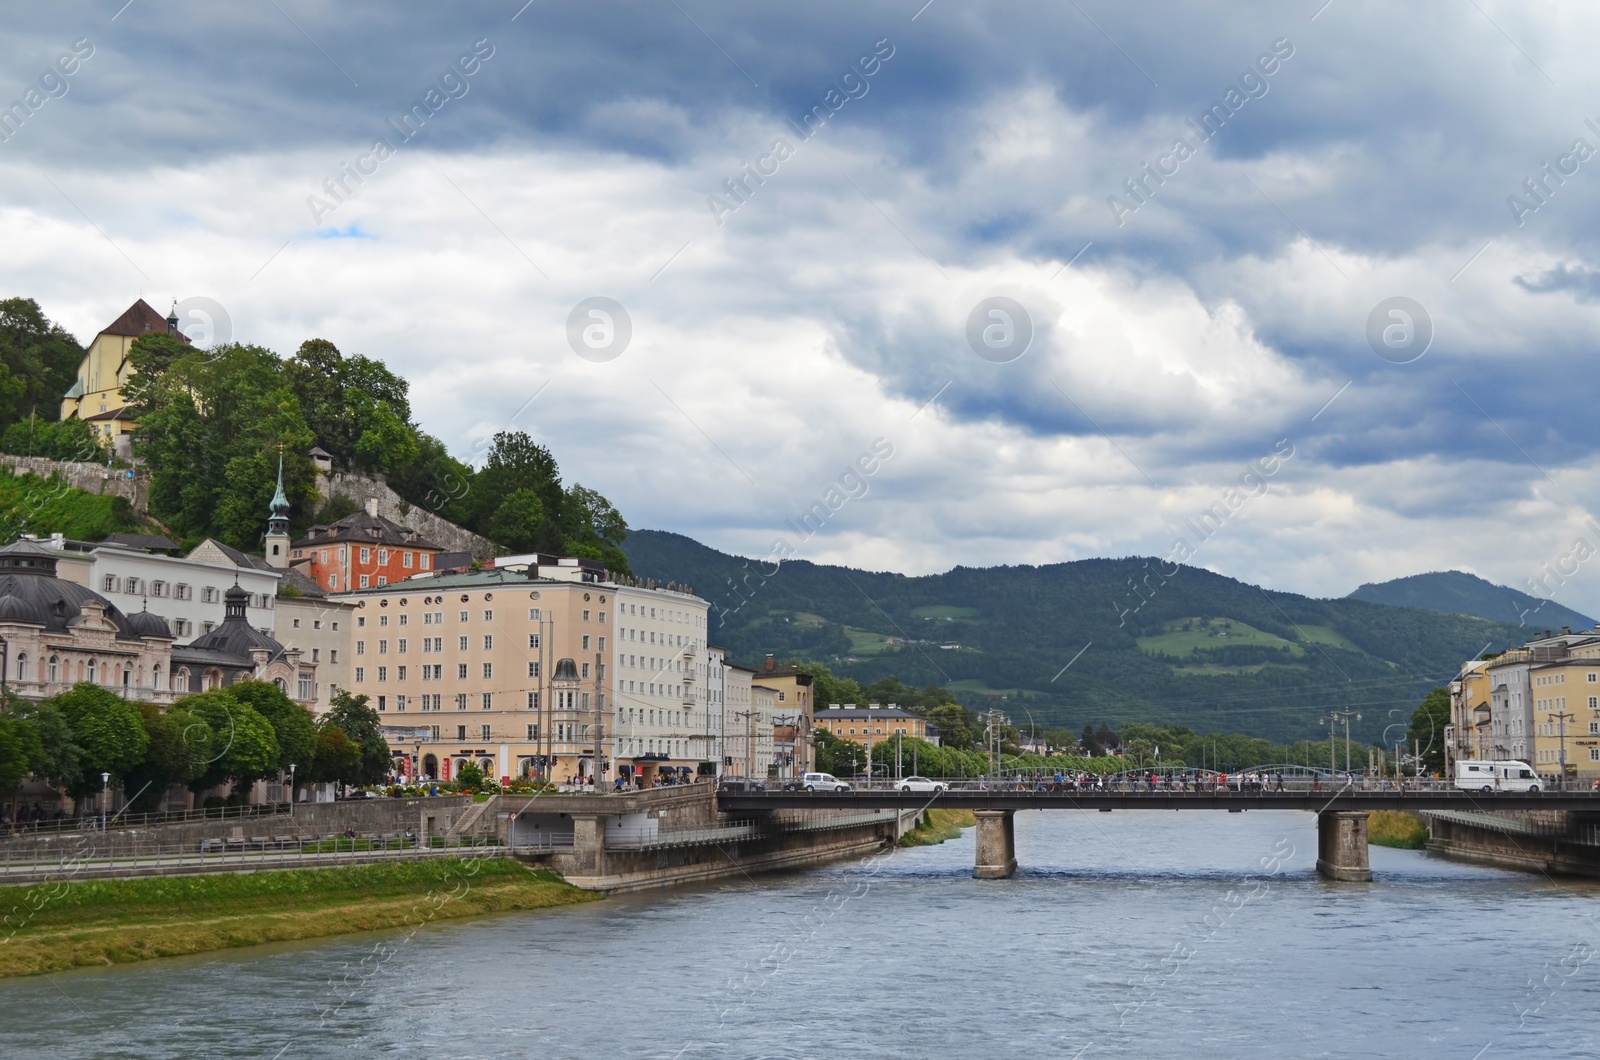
pixel 96 822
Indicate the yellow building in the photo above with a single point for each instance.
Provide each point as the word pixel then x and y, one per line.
pixel 1469 712
pixel 1566 715
pixel 875 724
pixel 96 395
pixel 792 714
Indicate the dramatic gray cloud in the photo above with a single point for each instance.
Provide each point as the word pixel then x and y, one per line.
pixel 1191 305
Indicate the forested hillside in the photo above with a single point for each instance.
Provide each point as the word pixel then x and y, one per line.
pixel 1205 650
pixel 1456 592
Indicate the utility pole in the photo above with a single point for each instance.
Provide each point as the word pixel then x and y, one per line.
pixel 1563 719
pixel 1344 716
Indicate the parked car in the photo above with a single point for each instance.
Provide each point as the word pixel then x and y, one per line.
pixel 923 784
pixel 823 782
pixel 732 784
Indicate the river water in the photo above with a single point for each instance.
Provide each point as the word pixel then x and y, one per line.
pixel 908 956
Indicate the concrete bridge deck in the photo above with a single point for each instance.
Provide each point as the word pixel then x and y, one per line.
pixel 1341 812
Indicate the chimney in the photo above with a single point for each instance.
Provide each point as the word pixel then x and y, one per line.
pixel 372 506
pixel 772 664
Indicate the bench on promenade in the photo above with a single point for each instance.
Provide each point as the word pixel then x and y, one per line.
pixel 208 845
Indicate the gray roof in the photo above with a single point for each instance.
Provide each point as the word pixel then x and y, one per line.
pixel 28 573
pixel 854 715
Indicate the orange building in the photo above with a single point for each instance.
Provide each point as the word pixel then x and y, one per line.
pixel 362 551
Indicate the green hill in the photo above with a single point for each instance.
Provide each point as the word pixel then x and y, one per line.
pixel 1458 593
pixel 1012 631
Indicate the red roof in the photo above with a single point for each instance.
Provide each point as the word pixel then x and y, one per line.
pixel 140 319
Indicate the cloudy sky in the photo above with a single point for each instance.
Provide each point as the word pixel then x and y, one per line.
pixel 1189 308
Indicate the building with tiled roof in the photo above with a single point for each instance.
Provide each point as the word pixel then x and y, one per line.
pixel 96 395
pixel 361 551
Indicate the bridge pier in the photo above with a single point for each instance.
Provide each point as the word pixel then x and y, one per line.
pixel 997 845
pixel 1342 846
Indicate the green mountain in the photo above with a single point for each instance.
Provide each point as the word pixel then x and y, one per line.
pixel 1100 640
pixel 1454 592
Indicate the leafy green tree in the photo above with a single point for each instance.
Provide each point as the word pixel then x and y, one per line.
pixel 1087 740
pixel 1426 730
pixel 594 528
pixel 38 361
pixel 178 752
pixel 242 747
pixel 107 730
pixel 21 751
pixel 518 522
pixel 292 724
pixel 839 756
pixel 361 724
pixel 57 440
pixel 59 761
pixel 338 758
pixel 958 727
pixel 469 777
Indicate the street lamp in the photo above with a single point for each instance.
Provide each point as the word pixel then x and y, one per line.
pixel 1561 782
pixel 1333 717
pixel 105 791
pixel 291 789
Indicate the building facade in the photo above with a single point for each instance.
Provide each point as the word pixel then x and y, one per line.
pixel 872 725
pixel 793 715
pixel 362 551
pixel 466 666
pixel 96 395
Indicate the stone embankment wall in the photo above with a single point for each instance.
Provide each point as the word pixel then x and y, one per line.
pixel 362 489
pixel 367 817
pixel 1554 854
pixel 89 477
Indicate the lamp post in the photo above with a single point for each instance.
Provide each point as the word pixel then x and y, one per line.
pixel 1337 716
pixel 105 791
pixel 1561 781
pixel 291 789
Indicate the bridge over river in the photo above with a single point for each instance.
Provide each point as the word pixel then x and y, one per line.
pixel 1341 811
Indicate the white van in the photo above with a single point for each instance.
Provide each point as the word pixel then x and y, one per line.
pixel 1473 774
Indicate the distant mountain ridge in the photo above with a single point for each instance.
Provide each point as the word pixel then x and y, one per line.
pixel 1092 641
pixel 1455 592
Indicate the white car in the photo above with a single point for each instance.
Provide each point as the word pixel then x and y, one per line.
pixel 923 784
pixel 823 782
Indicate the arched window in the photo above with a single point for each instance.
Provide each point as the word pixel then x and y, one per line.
pixel 180 680
pixel 213 679
pixel 55 669
pixel 22 666
pixel 93 673
pixel 283 686
pixel 155 676
pixel 127 676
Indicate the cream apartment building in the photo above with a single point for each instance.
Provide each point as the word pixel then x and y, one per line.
pixel 466 667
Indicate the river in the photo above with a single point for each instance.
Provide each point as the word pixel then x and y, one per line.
pixel 908 956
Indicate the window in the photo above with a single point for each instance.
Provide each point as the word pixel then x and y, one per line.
pixel 361 674
pixel 533 640
pixel 305 687
pixel 207 627
pixel 488 701
pixel 1593 677
pixel 781 696
pixel 361 621
pixel 585 674
pixel 533 701
pixel 382 580
pixel 1594 754
pixel 488 642
pixel 533 734
pixel 361 647
pixel 586 642
pixel 461 701
pixel 366 555
pixel 461 732
pixel 602 618
pixel 403 617
pixel 488 671
pixel 486 732
pixel 1594 702
pixel 602 644
pixel 383 647
pixel 109 583
pixel 586 614
pixel 383 557
pixel 461 671
pixel 533 669
pixel 462 616
pixel 488 616
pixel 405 559
pixel 400 645
pixel 364 582
pixel 381 700
pixel 208 594
pixel 158 588
pixel 333 655
pixel 400 673
pixel 333 581
pixel 461 644
pixel 383 673
pixel 533 614
pixel 399 702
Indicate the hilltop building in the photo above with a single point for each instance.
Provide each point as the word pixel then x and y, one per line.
pixel 96 395
pixel 363 550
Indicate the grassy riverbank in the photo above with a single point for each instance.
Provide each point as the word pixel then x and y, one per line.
pixel 51 927
pixel 936 826
pixel 1396 828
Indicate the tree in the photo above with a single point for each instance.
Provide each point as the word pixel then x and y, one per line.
pixel 338 758
pixel 362 725
pixel 242 747
pixel 1090 744
pixel 59 761
pixel 107 730
pixel 516 524
pixel 1426 731
pixel 38 361
pixel 469 777
pixel 20 751
pixel 958 726
pixel 179 749
pixel 292 724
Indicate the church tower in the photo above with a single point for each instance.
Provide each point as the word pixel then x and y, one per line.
pixel 278 524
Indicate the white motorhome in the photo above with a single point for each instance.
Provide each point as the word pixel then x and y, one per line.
pixel 1479 775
